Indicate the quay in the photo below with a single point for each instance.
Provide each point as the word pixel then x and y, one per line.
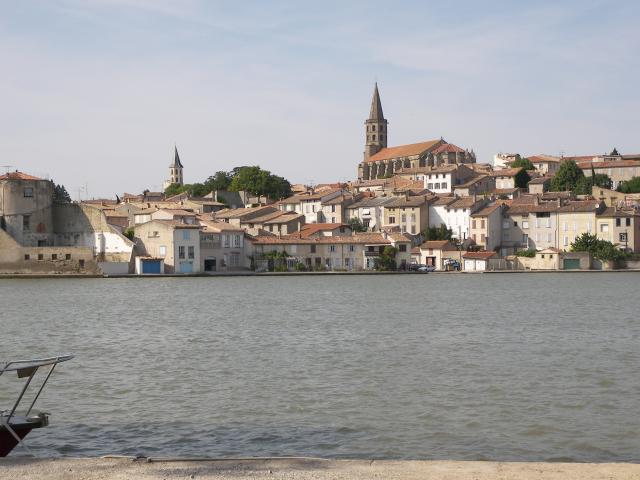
pixel 121 468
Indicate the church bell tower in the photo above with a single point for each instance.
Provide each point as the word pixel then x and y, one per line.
pixel 175 171
pixel 375 127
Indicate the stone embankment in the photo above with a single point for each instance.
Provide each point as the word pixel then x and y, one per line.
pixel 306 469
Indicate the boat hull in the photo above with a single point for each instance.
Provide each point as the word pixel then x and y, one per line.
pixel 21 427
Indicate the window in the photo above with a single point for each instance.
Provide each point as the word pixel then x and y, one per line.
pixel 28 192
pixel 392 219
pixel 506 224
pixel 373 128
pixel 623 237
pixel 40 256
pixel 81 263
pixel 525 224
pixel 313 249
pixel 181 251
pixel 473 236
pixel 566 241
pixel 542 255
pixel 515 223
pixel 67 256
pixel 366 222
pixel 565 226
pixel 192 252
pixel 27 257
pixel 186 234
pixel 403 218
pixel 604 227
pixel 236 241
pixel 226 240
pixel 437 186
pixel 402 247
pixel 26 223
pixel 444 186
pixel 618 222
pixel 482 223
pixel 548 237
pixel 373 137
pixel 628 222
pixel 473 224
pixel 162 250
pixel 332 248
pixel 352 248
pixel 333 209
pixel 482 237
pixel 234 260
pixel 54 256
pixel 413 229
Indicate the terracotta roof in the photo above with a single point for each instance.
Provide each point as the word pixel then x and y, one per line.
pixel 210 225
pixel 448 148
pixel 608 164
pixel 438 245
pixel 294 239
pixel 443 201
pixel 399 237
pixel 486 211
pixel 544 159
pixel 468 183
pixel 18 176
pixel 505 191
pixel 439 169
pixel 313 228
pixel 483 255
pixel 399 202
pixel 540 180
pixel 178 211
pixel 580 206
pixel 372 202
pixel 532 208
pixel 403 151
pixel 551 250
pixel 463 202
pixel 506 172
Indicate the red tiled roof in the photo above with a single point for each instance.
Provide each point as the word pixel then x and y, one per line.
pixel 506 172
pixel 18 176
pixel 438 245
pixel 484 255
pixel 448 148
pixel 311 228
pixel 403 151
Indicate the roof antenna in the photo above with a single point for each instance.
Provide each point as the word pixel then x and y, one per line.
pixel 7 167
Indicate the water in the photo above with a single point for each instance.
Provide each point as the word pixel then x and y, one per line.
pixel 501 366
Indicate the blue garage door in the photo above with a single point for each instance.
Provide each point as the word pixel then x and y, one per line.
pixel 186 267
pixel 152 266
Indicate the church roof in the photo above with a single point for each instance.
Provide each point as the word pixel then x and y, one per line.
pixel 18 176
pixel 176 160
pixel 403 151
pixel 376 106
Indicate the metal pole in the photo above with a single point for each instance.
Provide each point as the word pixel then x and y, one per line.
pixel 24 389
pixel 41 387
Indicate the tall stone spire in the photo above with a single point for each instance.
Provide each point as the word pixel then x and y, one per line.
pixel 376 106
pixel 175 170
pixel 375 127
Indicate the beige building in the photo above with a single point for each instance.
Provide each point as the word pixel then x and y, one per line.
pixel 506 178
pixel 620 227
pixel 545 164
pixel 407 214
pixel 486 227
pixel 358 251
pixel 270 218
pixel 539 185
pixel 222 247
pixel 576 218
pixel 176 243
pixel 434 253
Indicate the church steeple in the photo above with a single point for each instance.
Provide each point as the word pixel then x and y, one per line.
pixel 175 170
pixel 375 127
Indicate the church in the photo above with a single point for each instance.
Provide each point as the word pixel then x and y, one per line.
pixel 381 161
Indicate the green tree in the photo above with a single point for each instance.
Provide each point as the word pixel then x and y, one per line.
pixel 567 177
pixel 522 162
pixel 521 179
pixel 584 185
pixel 219 181
pixel 600 249
pixel 356 225
pixel 129 233
pixel 259 182
pixel 630 186
pixel 60 194
pixel 438 233
pixel 387 259
pixel 174 189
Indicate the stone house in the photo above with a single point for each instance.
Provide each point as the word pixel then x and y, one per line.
pixel 477 261
pixel 222 247
pixel 478 185
pixel 486 227
pixel 176 243
pixel 433 252
pixel 457 215
pixel 620 227
pixel 370 211
pixel 506 178
pixel 576 218
pixel 545 164
pixel 409 214
pixel 539 185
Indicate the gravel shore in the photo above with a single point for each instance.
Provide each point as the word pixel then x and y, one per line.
pixel 303 469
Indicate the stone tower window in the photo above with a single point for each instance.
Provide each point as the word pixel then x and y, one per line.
pixel 373 137
pixel 374 127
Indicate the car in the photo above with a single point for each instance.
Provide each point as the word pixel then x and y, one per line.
pixel 426 268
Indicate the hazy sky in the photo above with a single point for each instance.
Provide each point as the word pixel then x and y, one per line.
pixel 96 92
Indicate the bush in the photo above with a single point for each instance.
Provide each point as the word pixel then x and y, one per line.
pixel 530 253
pixel 599 249
pixel 301 267
pixel 129 233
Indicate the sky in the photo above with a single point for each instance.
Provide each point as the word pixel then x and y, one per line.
pixel 96 93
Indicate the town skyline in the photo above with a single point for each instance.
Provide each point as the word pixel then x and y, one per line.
pixel 101 99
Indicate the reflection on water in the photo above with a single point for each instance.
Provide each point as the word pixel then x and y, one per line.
pixel 506 367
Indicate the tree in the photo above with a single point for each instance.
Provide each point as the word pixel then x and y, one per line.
pixel 129 233
pixel 584 185
pixel 521 179
pixel 173 189
pixel 259 182
pixel 630 186
pixel 614 152
pixel 60 194
pixel 219 181
pixel 387 259
pixel 522 162
pixel 600 249
pixel 567 177
pixel 438 233
pixel 356 225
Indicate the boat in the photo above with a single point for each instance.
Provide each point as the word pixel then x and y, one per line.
pixel 15 424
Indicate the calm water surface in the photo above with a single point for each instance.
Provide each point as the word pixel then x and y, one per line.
pixel 505 367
